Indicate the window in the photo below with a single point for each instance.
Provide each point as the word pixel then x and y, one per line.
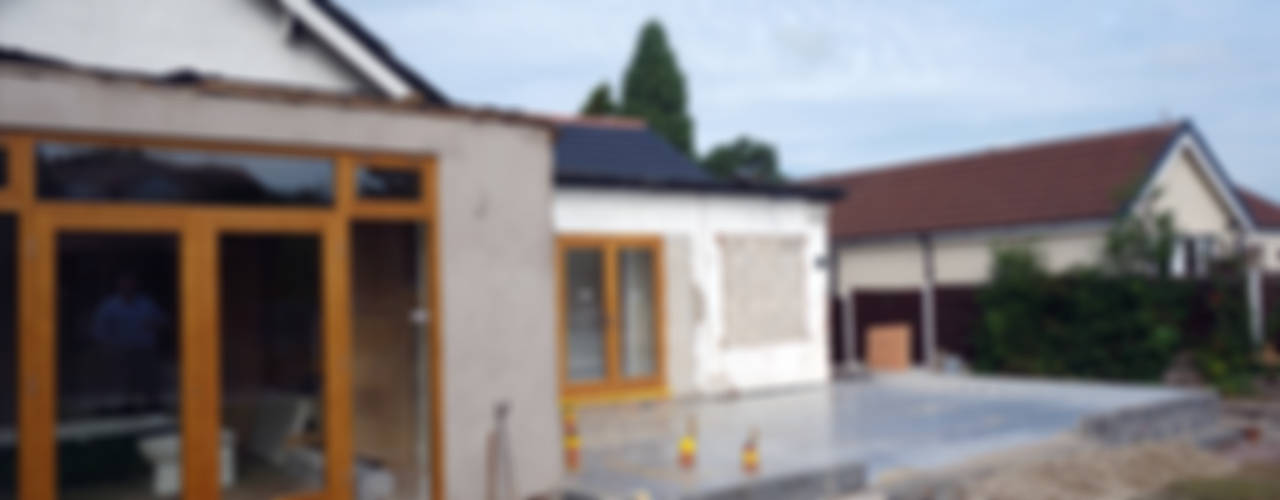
pixel 388 183
pixel 118 363
pixel 1193 256
pixel 70 171
pixel 272 369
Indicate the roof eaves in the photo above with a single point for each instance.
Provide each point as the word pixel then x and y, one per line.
pixel 783 190
pixel 379 50
pixel 1224 181
pixel 1252 200
pixel 1219 178
pixel 221 86
pixel 1153 168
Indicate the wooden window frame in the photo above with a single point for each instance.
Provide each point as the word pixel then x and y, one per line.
pixel 198 228
pixel 613 385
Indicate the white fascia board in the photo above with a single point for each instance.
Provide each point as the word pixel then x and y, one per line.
pixel 355 53
pixel 1189 141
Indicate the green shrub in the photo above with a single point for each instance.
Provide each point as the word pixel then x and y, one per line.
pixel 1085 323
pixel 1120 320
pixel 1226 356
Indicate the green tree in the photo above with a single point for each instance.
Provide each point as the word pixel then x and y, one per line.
pixel 653 89
pixel 600 102
pixel 744 158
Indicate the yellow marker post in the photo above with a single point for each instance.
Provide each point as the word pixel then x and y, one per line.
pixel 688 445
pixel 751 453
pixel 572 443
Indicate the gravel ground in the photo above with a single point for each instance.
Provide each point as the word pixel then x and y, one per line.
pixel 1164 470
pixel 1093 472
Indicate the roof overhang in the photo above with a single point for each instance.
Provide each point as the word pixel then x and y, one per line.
pixel 1191 141
pixel 820 194
pixel 361 50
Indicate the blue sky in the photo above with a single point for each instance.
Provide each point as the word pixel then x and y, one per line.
pixel 841 85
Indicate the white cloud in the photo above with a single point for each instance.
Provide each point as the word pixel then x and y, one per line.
pixel 842 83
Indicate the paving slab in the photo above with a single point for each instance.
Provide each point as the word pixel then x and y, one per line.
pixel 836 438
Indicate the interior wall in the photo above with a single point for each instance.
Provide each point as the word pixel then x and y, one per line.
pixel 700 220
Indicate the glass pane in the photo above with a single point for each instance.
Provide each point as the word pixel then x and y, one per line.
pixel 390 370
pixel 94 172
pixel 118 366
pixel 635 294
pixel 8 357
pixel 272 375
pixel 585 289
pixel 389 183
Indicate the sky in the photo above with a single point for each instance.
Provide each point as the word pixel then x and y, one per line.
pixel 842 85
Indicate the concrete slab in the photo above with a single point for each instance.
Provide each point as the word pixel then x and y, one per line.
pixel 834 439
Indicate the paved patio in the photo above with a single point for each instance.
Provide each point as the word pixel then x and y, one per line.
pixel 820 441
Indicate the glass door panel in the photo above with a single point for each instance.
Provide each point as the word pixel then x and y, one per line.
pixel 390 356
pixel 117 347
pixel 585 315
pixel 272 376
pixel 636 313
pixel 8 356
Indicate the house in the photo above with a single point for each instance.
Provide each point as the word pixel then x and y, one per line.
pixel 299 270
pixel 673 282
pixel 913 243
pixel 253 255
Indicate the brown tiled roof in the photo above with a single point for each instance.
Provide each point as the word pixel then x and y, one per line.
pixel 1263 211
pixel 1074 179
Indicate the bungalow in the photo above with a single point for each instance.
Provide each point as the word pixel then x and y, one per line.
pixel 252 255
pixel 913 242
pixel 674 282
pixel 248 254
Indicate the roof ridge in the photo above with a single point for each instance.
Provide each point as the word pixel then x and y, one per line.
pixel 946 159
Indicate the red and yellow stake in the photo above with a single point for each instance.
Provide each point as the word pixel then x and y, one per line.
pixel 688 446
pixel 572 443
pixel 751 453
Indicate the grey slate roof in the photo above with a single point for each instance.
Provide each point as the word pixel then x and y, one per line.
pixel 634 154
pixel 636 157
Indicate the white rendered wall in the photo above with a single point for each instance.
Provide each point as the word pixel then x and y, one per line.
pixel 690 223
pixel 1268 244
pixel 1182 187
pixel 246 39
pixel 495 236
pixel 963 258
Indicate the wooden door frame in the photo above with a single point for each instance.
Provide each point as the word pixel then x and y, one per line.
pixel 613 385
pixel 198 228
